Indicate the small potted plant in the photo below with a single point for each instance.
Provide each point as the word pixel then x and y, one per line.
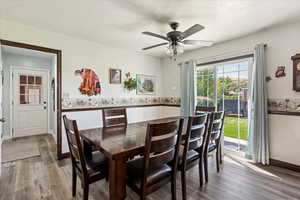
pixel 129 83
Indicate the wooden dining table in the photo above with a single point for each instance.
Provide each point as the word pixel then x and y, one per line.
pixel 119 144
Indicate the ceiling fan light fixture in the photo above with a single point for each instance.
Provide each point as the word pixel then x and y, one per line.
pixel 175 39
pixel 173 50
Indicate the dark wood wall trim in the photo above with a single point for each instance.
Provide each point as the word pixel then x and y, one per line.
pixel 28 46
pixel 285 165
pixel 59 82
pixel 284 113
pixel 112 107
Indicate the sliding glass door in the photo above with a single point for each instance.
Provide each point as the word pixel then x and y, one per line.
pixel 225 85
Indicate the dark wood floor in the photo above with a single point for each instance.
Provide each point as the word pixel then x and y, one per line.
pixel 45 178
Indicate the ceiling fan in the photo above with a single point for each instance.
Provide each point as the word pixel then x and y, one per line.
pixel 176 39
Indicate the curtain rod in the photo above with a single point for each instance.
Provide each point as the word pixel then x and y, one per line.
pixel 226 60
pixel 248 54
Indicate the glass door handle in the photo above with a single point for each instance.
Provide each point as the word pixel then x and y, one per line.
pixel 2 120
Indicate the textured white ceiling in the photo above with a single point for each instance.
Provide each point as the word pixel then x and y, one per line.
pixel 119 23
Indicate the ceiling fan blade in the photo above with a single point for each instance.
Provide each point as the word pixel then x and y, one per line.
pixel 157 45
pixel 192 30
pixel 198 42
pixel 155 35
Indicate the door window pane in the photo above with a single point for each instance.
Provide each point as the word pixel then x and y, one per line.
pixel 30 79
pixel 22 89
pixel 30 90
pixel 23 99
pixel 205 87
pixel 34 94
pixel 23 79
pixel 38 80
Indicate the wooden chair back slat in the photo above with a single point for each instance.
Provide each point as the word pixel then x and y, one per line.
pixel 163 128
pixel 200 109
pixel 195 143
pixel 75 144
pixel 163 144
pixel 157 160
pixel 114 117
pixel 114 112
pixel 115 122
pixel 198 130
pixel 218 115
pixel 216 126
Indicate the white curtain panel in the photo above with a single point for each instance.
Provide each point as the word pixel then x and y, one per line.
pixel 258 142
pixel 188 88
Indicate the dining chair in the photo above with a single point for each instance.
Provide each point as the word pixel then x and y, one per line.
pixel 213 142
pixel 191 152
pixel 114 117
pixel 151 171
pixel 89 168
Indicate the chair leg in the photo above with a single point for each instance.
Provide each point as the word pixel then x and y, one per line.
pixel 86 192
pixel 183 184
pixel 142 194
pixel 173 188
pixel 201 171
pixel 74 182
pixel 217 160
pixel 205 167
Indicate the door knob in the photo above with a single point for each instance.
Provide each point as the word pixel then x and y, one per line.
pixel 2 120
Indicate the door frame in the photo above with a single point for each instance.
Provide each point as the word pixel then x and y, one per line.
pixel 58 54
pixel 213 65
pixel 11 94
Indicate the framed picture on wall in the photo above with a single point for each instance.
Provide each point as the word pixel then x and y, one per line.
pixel 146 85
pixel 115 76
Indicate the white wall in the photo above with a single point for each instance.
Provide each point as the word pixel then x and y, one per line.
pixel 78 53
pixel 285 138
pixel 10 60
pixel 282 43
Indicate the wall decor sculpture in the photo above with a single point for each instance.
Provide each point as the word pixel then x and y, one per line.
pixel 90 84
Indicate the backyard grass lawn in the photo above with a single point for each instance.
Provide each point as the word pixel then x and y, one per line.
pixel 231 127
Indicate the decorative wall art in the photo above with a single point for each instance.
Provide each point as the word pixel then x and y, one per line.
pixel 115 76
pixel 129 83
pixel 296 72
pixel 146 85
pixel 90 84
pixel 280 72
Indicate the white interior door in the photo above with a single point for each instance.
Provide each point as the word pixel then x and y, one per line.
pixel 30 102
